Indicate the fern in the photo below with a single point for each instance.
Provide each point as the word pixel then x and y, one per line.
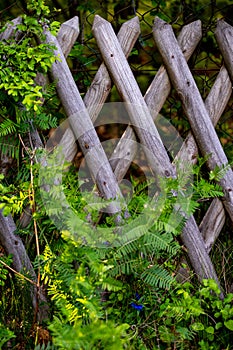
pixel 10 146
pixel 49 346
pixel 7 127
pixel 112 284
pixel 45 121
pixel 158 241
pixel 125 268
pixel 204 189
pixel 156 276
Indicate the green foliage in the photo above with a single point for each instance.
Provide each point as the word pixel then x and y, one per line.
pixel 4 261
pixel 108 286
pixel 12 199
pixel 21 99
pixel 74 281
pixel 96 335
pixel 188 314
pixel 5 335
pixel 206 188
pixel 20 63
pixel 48 346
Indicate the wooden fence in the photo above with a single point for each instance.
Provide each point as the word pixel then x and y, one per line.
pixel 202 115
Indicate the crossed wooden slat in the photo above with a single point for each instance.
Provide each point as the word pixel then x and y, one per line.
pixel 122 75
pixel 154 99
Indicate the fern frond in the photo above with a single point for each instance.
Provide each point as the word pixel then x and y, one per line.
pixel 156 276
pixel 124 268
pixel 157 241
pixel 10 147
pixel 49 346
pixel 112 285
pixel 45 122
pixel 7 127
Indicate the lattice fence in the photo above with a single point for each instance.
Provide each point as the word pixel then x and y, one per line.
pixel 203 116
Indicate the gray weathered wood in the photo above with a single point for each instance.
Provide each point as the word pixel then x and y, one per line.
pixel 215 104
pixel 82 126
pixel 155 97
pixel 145 128
pixel 212 223
pixel 224 36
pixel 193 105
pixel 68 34
pixel 66 37
pixel 14 246
pixel 10 30
pixel 101 85
pixel 127 86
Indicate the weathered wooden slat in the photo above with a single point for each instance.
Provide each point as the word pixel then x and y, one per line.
pixel 224 36
pixel 68 34
pixel 126 84
pixel 212 223
pixel 10 30
pixel 188 40
pixel 193 105
pixel 101 85
pixel 83 128
pixel 155 97
pixel 145 128
pixel 66 37
pixel 215 104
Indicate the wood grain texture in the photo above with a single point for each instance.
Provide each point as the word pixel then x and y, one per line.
pixel 212 223
pixel 193 105
pixel 224 37
pixel 10 30
pixel 197 253
pixel 215 104
pixel 127 86
pixel 101 84
pixel 68 34
pixel 14 246
pixel 142 120
pixel 82 127
pixel 155 97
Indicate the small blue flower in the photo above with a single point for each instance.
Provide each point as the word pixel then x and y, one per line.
pixel 137 296
pixel 137 307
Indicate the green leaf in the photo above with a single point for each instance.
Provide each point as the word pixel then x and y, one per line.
pixel 218 325
pixel 210 330
pixel 229 324
pixel 197 326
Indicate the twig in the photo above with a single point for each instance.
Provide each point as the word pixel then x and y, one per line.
pixel 18 273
